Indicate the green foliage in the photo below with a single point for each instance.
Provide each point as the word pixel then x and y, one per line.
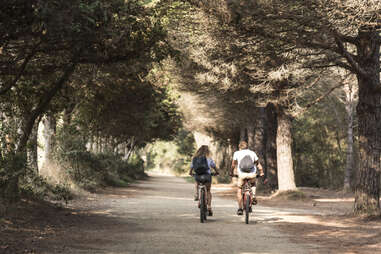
pixel 318 144
pixel 174 156
pixel 185 143
pixel 18 180
pixel 121 106
pixel 11 170
pixel 43 44
pixel 91 171
pixel 34 186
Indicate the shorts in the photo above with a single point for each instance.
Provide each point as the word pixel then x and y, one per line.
pixel 243 175
pixel 205 178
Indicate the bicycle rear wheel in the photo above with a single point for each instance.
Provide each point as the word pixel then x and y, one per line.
pixel 247 207
pixel 202 206
pixel 206 204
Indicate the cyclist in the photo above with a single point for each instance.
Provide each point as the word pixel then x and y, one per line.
pixel 204 151
pixel 241 160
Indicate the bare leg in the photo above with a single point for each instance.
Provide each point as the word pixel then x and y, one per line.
pixel 239 198
pixel 196 192
pixel 209 199
pixel 254 189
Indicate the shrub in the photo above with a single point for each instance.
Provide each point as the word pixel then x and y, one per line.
pixel 91 171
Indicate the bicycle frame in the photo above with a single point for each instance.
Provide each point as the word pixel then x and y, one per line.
pixel 247 197
pixel 202 201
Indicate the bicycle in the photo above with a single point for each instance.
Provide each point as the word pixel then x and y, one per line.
pixel 202 195
pixel 247 197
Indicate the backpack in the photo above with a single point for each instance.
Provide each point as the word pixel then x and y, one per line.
pixel 246 164
pixel 200 165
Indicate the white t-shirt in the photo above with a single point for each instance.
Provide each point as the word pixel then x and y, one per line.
pixel 238 156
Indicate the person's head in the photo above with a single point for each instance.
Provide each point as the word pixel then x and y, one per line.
pixel 242 145
pixel 203 151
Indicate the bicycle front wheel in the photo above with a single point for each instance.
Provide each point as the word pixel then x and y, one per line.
pixel 247 207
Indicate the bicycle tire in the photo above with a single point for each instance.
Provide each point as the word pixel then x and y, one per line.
pixel 247 207
pixel 202 206
pixel 205 205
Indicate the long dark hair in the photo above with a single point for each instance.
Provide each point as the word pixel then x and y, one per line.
pixel 202 151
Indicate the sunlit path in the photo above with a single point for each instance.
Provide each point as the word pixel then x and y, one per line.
pixel 161 217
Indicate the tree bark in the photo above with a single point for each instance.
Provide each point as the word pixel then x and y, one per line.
pixel 271 160
pixel 242 134
pixel 251 136
pixel 259 138
pixel 367 191
pixel 131 148
pixel 41 107
pixel 349 108
pixel 49 137
pixel 32 148
pixel 286 178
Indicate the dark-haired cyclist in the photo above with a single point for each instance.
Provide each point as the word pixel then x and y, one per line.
pixel 204 151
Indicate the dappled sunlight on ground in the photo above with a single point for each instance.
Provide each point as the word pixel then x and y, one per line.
pixel 168 197
pixel 222 206
pixel 321 219
pixel 105 212
pixel 320 216
pixel 329 200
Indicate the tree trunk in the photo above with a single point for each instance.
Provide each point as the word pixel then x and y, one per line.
pixel 271 161
pixel 242 134
pixel 349 108
pixel 131 148
pixel 367 192
pixel 259 138
pixel 32 148
pixel 286 179
pixel 49 137
pixel 251 136
pixel 41 107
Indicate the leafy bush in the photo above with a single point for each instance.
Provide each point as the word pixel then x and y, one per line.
pixel 174 156
pixel 11 169
pixel 319 150
pixel 34 186
pixel 90 171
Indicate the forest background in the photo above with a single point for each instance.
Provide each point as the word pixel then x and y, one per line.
pixel 102 91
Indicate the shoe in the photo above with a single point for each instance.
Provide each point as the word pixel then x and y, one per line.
pixel 254 201
pixel 239 211
pixel 210 213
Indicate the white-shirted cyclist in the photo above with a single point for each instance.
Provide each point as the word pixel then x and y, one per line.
pixel 240 166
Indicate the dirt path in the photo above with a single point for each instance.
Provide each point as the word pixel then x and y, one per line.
pixel 159 216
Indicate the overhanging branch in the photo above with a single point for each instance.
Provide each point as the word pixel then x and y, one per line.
pixel 20 72
pixel 350 58
pixel 321 97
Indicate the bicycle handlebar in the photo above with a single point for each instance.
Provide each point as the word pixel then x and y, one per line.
pixel 265 180
pixel 212 174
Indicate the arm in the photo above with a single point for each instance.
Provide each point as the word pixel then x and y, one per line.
pixel 215 170
pixel 233 167
pixel 213 166
pixel 260 168
pixel 191 169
